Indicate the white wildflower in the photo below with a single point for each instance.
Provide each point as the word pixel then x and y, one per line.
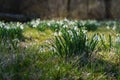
pixel 21 27
pixel 61 22
pixel 71 23
pixel 65 26
pixel 48 24
pixel 70 32
pixel 108 27
pixel 18 24
pixel 114 27
pixel 66 20
pixel 117 39
pixel 38 21
pixel 76 28
pixel 55 34
pixel 83 22
pixel 84 31
pixel 59 33
pixel 78 32
pixel 7 27
pixel 117 34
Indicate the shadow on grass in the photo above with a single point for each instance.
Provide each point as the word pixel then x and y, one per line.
pixel 109 69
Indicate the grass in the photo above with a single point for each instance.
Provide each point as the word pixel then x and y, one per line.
pixel 34 58
pixel 36 36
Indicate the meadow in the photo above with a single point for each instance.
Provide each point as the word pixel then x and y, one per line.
pixel 60 50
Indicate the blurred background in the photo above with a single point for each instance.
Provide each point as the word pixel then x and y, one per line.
pixel 24 10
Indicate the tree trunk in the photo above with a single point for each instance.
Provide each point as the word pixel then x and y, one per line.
pixel 107 9
pixel 68 8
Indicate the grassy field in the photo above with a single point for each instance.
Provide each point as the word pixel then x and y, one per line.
pixel 60 50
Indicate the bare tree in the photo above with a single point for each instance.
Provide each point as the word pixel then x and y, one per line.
pixel 107 9
pixel 87 1
pixel 68 8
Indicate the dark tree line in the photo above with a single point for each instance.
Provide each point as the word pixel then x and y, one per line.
pixel 14 7
pixel 107 4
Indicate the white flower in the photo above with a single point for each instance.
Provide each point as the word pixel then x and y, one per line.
pixel 61 23
pixel 48 24
pixel 70 32
pixel 114 27
pixel 35 23
pixel 18 24
pixel 83 22
pixel 66 20
pixel 117 34
pixel 65 26
pixel 108 27
pixel 71 23
pixel 55 34
pixel 38 21
pixel 78 33
pixel 34 26
pixel 7 27
pixel 76 28
pixel 84 31
pixel 59 33
pixel 21 27
pixel 117 39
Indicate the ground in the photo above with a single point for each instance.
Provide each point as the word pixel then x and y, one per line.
pixel 34 58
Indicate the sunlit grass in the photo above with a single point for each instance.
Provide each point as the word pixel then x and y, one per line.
pixel 36 36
